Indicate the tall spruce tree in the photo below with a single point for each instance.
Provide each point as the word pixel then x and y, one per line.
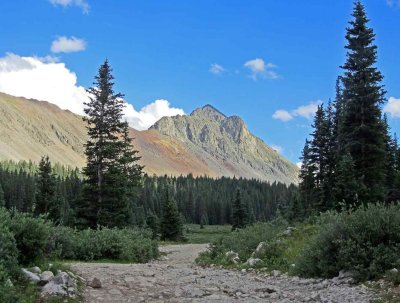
pixel 171 226
pixel 361 132
pixel 2 200
pixel 105 186
pixel 307 187
pixel 239 212
pixel 45 190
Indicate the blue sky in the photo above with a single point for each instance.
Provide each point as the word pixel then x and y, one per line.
pixel 247 58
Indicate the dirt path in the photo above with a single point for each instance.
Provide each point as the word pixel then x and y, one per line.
pixel 177 279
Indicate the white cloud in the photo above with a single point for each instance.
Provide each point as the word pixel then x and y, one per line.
pixel 393 107
pixel 277 148
pixel 299 164
pixel 216 69
pixel 393 3
pixel 150 114
pixel 282 115
pixel 47 79
pixel 259 68
pixel 42 79
pixel 305 111
pixel 82 4
pixel 68 45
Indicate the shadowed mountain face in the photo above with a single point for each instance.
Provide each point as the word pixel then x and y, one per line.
pixel 204 143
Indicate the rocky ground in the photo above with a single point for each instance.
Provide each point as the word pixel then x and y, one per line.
pixel 175 278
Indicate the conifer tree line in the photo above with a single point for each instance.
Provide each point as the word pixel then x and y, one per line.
pixel 351 158
pixel 198 199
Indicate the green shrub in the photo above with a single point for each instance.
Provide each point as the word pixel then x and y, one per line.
pixel 31 236
pixel 365 242
pixel 7 290
pixel 62 243
pixel 8 246
pixel 243 242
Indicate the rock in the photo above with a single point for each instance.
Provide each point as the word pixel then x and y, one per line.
pixel 34 278
pixel 54 289
pixel 232 256
pixel 46 277
pixel 394 271
pixel 253 262
pixel 95 283
pixel 260 250
pixel 345 274
pixel 276 273
pixel 64 279
pixel 289 231
pixel 36 270
pixel 244 270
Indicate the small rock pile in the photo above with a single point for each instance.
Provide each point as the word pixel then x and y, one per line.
pixel 61 284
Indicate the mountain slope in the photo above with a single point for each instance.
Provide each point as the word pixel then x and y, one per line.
pixel 204 143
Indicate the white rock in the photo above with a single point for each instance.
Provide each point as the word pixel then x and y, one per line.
pixel 232 256
pixel 253 262
pixel 34 278
pixel 36 270
pixel 276 273
pixel 394 271
pixel 46 277
pixel 260 250
pixel 53 289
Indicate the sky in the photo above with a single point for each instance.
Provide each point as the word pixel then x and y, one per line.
pixel 269 62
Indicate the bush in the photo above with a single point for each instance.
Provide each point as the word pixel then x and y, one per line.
pixel 365 242
pixel 31 236
pixel 8 246
pixel 243 242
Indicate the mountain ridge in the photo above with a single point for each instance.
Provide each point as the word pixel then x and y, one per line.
pixel 206 142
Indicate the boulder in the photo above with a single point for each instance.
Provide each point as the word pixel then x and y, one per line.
pixel 95 283
pixel 252 262
pixel 36 270
pixel 32 277
pixel 46 277
pixel 61 285
pixel 232 256
pixel 260 250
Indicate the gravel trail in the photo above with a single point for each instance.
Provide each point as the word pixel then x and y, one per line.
pixel 175 278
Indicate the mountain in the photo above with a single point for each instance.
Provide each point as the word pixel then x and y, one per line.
pixel 206 142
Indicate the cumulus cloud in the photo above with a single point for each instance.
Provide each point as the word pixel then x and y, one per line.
pixel 82 4
pixel 260 69
pixel 150 114
pixel 68 45
pixel 393 107
pixel 282 115
pixel 47 79
pixel 43 79
pixel 305 111
pixel 216 69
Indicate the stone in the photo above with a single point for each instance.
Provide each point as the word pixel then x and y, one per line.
pixel 95 283
pixel 260 250
pixel 46 277
pixel 276 273
pixel 394 271
pixel 54 289
pixel 252 262
pixel 36 270
pixel 32 277
pixel 232 256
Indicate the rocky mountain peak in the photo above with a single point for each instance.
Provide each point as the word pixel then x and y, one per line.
pixel 208 112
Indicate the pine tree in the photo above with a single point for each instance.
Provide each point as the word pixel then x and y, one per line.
pixel 360 130
pixel 45 192
pixel 347 187
pixel 307 187
pixel 2 200
pixel 105 187
pixel 153 223
pixel 171 226
pixel 239 212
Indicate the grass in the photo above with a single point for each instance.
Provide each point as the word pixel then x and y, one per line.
pixel 208 234
pixel 196 235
